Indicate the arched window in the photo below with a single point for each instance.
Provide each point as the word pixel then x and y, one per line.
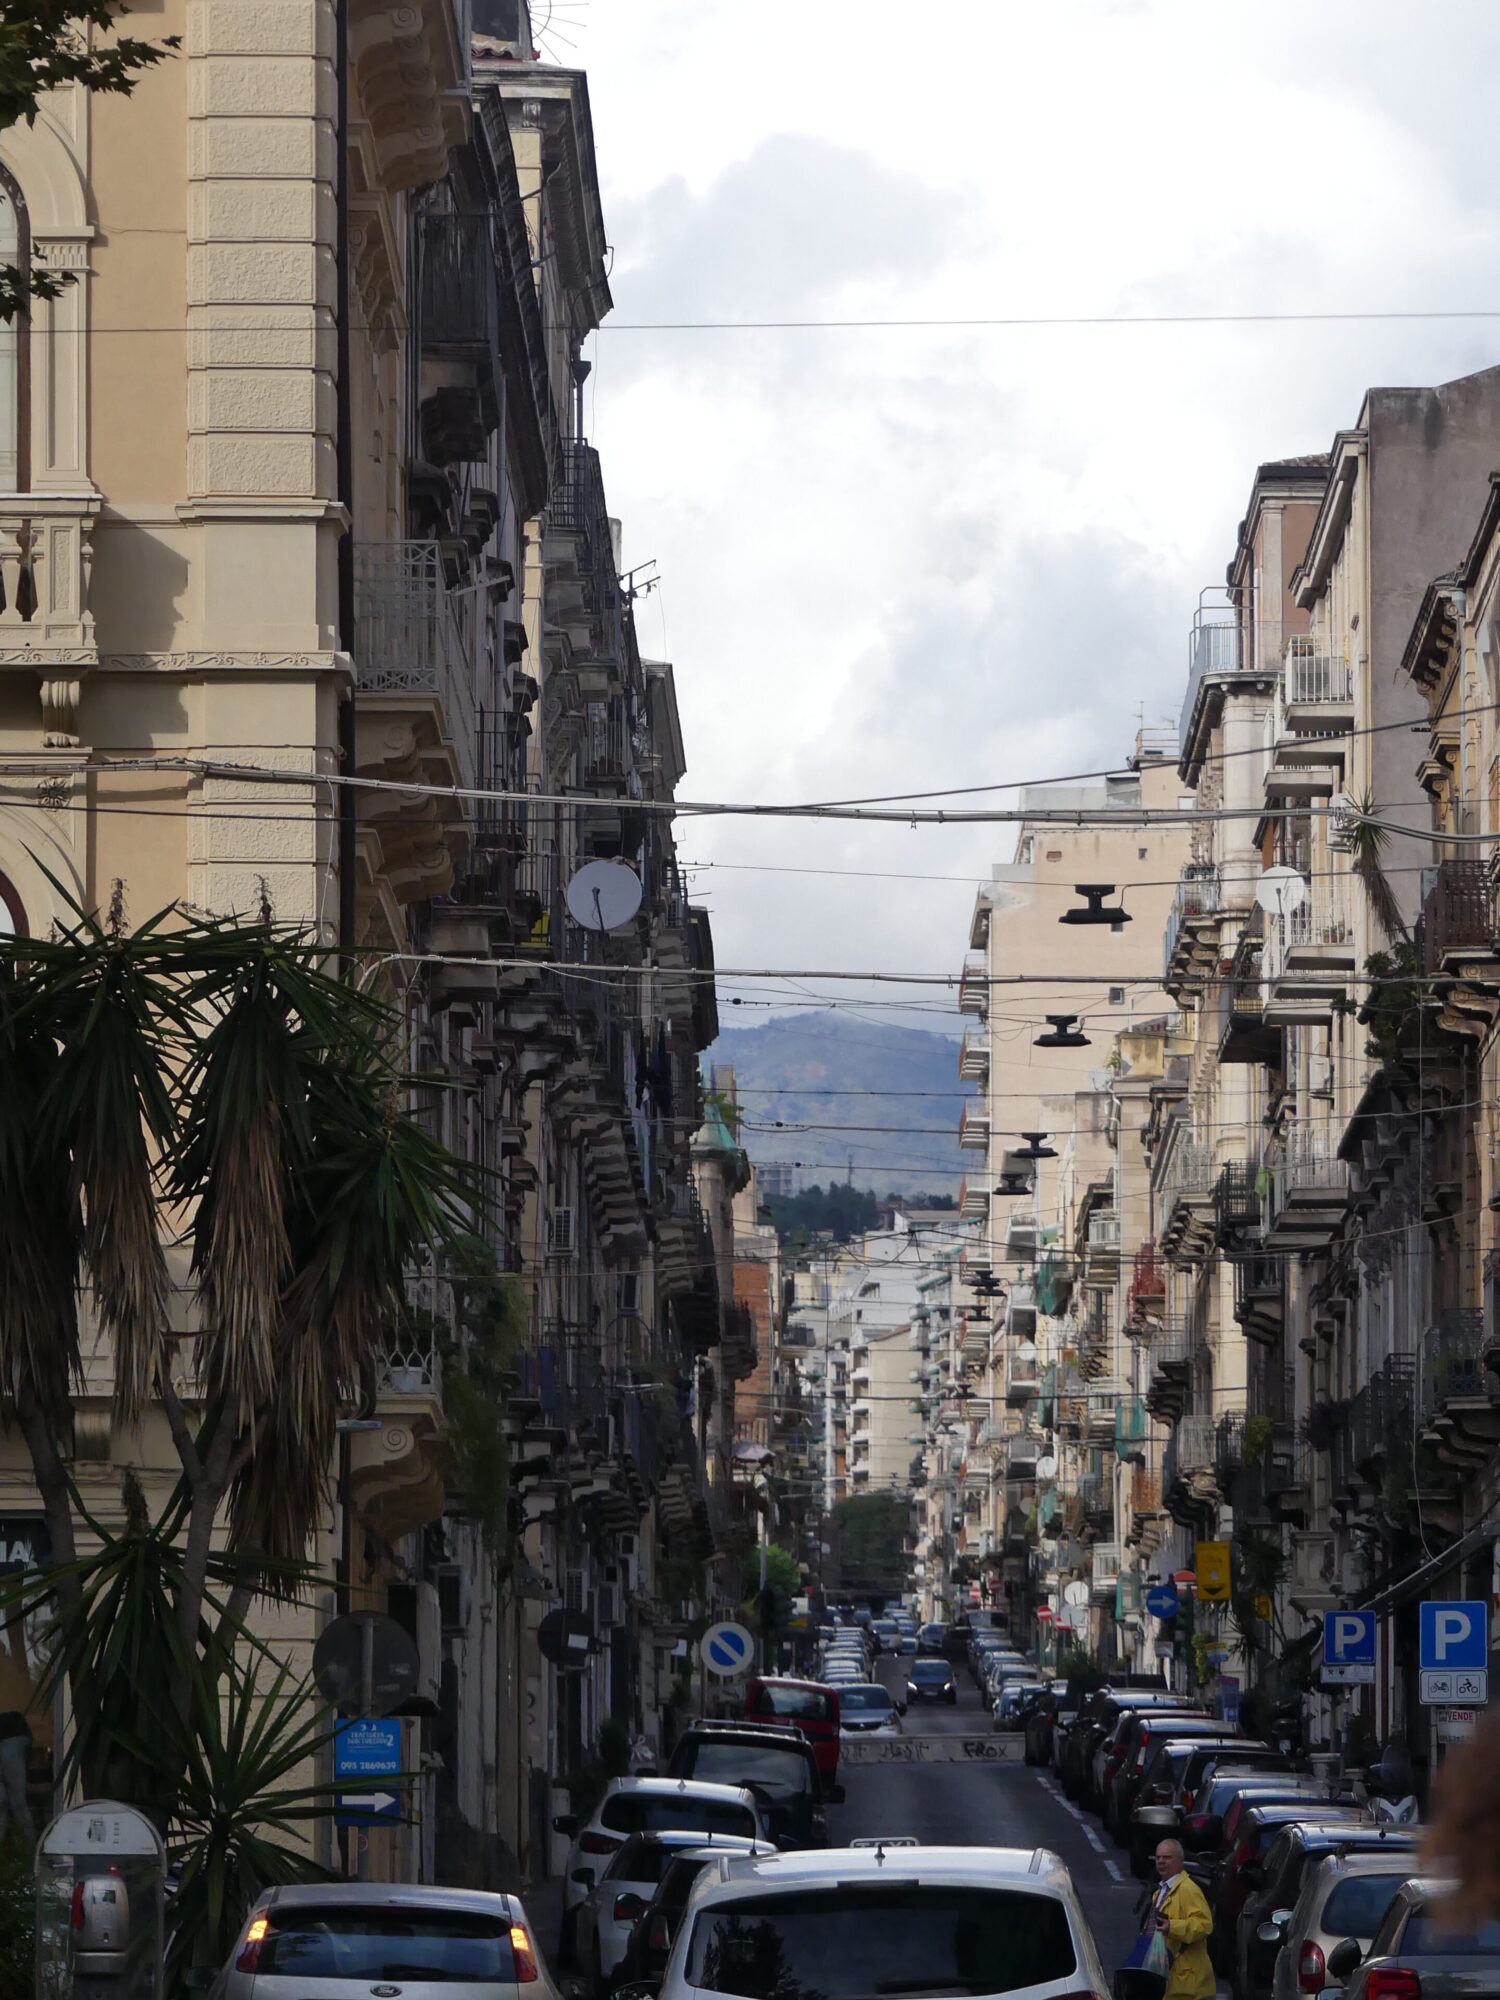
pixel 12 911
pixel 15 340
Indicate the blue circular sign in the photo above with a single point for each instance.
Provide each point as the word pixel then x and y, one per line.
pixel 1162 1602
pixel 727 1649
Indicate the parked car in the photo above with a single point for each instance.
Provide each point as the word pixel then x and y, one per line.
pixel 1242 1871
pixel 348 1939
pixel 1153 1819
pixel 1000 1666
pixel 1291 1858
pixel 933 1640
pixel 775 1762
pixel 1343 1894
pixel 1107 1740
pixel 811 1706
pixel 1153 1816
pixel 648 1805
pixel 1420 1953
pixel 1139 1747
pixel 1202 1829
pixel 608 1913
pixel 868 1709
pixel 887 1635
pixel 650 1940
pixel 1043 1720
pixel 844 1925
pixel 1014 1698
pixel 929 1679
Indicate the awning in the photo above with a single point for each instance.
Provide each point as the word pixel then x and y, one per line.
pixel 1386 1596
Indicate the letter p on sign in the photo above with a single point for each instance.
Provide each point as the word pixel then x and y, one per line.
pixel 1454 1635
pixel 1350 1637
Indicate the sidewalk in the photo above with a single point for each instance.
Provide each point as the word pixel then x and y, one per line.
pixel 543 1903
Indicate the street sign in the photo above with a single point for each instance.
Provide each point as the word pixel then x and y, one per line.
pixel 1461 1684
pixel 368 1748
pixel 1184 1578
pixel 727 1650
pixel 1450 1636
pixel 365 1663
pixel 1162 1601
pixel 1348 1649
pixel 1044 1614
pixel 1456 1725
pixel 566 1639
pixel 1211 1560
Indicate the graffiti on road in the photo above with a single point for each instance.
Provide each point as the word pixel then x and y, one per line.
pixel 932 1750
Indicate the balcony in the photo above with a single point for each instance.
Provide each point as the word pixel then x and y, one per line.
pixel 412 68
pixel 1021 1455
pixel 1171 1370
pixel 1309 1189
pixel 1245 1033
pixel 1104 1571
pixel 1317 691
pixel 974 1128
pixel 1100 1415
pixel 1185 1203
pixel 1020 1309
pixel 1021 1376
pixel 1214 658
pixel 1148 1293
pixel 1101 1249
pixel 974 988
pixel 1380 1418
pixel 1458 1409
pixel 1309 953
pixel 1132 1431
pixel 1190 946
pixel 1189 1469
pixel 1288 1474
pixel 1258 1296
pixel 974 1057
pixel 974 1199
pixel 46 622
pixel 1147 1526
pixel 414 666
pixel 1236 1203
pixel 1021 1235
pixel 1458 925
pixel 458 329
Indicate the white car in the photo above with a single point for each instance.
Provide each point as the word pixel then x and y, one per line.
pixel 649 1805
pixel 848 1922
pixel 608 1913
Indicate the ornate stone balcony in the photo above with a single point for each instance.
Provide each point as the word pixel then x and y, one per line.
pixel 45 620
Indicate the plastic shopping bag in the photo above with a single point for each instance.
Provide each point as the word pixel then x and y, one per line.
pixel 1158 1959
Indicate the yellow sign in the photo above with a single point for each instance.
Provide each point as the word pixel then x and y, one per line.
pixel 1263 1607
pixel 1212 1562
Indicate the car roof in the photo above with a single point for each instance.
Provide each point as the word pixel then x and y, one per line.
pixel 677 1837
pixel 1290 1811
pixel 788 1681
pixel 870 1687
pixel 849 1866
pixel 394 1895
pixel 770 1735
pixel 1374 1838
pixel 698 1788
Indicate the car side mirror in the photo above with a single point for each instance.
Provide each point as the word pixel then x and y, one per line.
pixel 583 1875
pixel 1344 1957
pixel 901 1708
pixel 1134 1982
pixel 638 1989
pixel 834 1795
pixel 565 1823
pixel 1273 1930
pixel 198 1978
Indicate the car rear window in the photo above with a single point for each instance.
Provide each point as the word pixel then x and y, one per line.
pixel 1432 1933
pixel 386 1943
pixel 1356 1906
pixel 669 1812
pixel 902 1937
pixel 731 1763
pixel 871 1700
pixel 639 1860
pixel 806 1704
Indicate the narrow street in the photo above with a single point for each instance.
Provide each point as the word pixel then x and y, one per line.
pixel 999 1805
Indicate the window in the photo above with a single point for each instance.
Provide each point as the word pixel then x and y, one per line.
pixel 904 1937
pixel 387 1943
pixel 806 1703
pixel 15 249
pixel 1356 1906
pixel 731 1763
pixel 666 1812
pixel 1430 1932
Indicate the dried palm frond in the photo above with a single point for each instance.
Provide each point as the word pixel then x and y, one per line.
pixel 1367 838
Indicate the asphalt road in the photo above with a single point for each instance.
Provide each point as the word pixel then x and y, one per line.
pixel 992 1805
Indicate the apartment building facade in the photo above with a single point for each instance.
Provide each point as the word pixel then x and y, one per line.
pixel 296 491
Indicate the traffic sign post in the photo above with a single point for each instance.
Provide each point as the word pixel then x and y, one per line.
pixel 1348 1649
pixel 1453 1652
pixel 1211 1562
pixel 367 1748
pixel 1162 1601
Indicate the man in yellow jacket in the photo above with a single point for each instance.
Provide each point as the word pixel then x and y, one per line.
pixel 1180 1912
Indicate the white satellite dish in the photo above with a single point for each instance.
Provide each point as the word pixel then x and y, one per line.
pixel 1076 1593
pixel 1281 890
pixel 1046 1468
pixel 604 895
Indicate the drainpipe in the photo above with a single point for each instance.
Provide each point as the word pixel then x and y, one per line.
pixel 1459 601
pixel 344 457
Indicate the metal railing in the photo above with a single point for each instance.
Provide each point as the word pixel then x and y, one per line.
pixel 1197 896
pixel 1457 914
pixel 1187 1174
pixel 1324 917
pixel 1104 1231
pixel 1191 1449
pixel 457 289
pixel 1452 1368
pixel 1213 648
pixel 1310 1162
pixel 1310 676
pixel 409 637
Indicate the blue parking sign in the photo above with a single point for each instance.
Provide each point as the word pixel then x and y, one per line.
pixel 1453 1637
pixel 368 1750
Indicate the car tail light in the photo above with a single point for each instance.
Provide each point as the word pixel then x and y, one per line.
pixel 522 1955
pixel 249 1952
pixel 1243 1853
pixel 599 1843
pixel 1198 1823
pixel 1392 1982
pixel 659 1937
pixel 628 1907
pixel 1310 1968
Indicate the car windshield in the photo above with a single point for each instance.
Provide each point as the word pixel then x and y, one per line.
pixel 931 1670
pixel 808 1704
pixel 367 1942
pixel 899 1938
pixel 738 1763
pixel 865 1700
pixel 1431 1934
pixel 1356 1906
pixel 666 1812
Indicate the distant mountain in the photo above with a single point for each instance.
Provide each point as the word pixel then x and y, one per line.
pixel 809 1091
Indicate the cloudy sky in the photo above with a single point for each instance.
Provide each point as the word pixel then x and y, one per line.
pixel 904 558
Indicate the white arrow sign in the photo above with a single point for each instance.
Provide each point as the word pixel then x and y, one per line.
pixel 367 1802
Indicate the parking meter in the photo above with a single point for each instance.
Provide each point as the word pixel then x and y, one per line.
pixel 100 1877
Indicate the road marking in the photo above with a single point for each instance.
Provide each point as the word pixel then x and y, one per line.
pixel 1049 1786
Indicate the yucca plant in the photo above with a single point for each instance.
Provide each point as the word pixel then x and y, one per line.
pixel 1367 839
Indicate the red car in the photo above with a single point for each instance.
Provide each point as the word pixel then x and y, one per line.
pixel 810 1705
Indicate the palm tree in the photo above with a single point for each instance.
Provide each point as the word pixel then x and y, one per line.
pixel 1367 838
pixel 210 1083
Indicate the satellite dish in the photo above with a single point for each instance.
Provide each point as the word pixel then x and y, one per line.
pixel 1076 1593
pixel 1280 891
pixel 1046 1468
pixel 604 895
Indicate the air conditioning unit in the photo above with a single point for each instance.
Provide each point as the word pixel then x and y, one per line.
pixel 560 1238
pixel 452 1581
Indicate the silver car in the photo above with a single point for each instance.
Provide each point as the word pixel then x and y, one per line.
pixel 1344 1896
pixel 343 1940
pixel 849 1922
